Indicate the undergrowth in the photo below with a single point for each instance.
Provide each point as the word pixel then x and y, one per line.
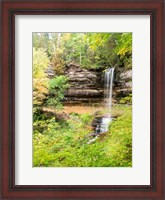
pixel 65 143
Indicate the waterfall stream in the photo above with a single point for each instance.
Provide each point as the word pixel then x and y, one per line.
pixel 101 124
pixel 108 89
pixel 108 86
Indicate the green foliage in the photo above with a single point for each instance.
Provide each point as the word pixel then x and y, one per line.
pixel 58 62
pixel 59 145
pixel 73 47
pixel 40 64
pixel 98 39
pixel 117 112
pixel 120 140
pixel 39 91
pixel 126 100
pixel 124 44
pixel 89 50
pixel 42 41
pixel 124 49
pixel 57 87
pixel 112 49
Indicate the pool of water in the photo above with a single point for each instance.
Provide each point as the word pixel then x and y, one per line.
pixel 82 109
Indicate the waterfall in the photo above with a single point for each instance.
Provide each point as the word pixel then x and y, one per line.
pixel 108 88
pixel 108 83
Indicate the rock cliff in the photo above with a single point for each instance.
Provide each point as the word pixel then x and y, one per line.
pixel 122 85
pixel 87 86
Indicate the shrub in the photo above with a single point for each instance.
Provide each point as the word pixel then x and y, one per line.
pixel 40 63
pixel 120 140
pixel 57 87
pixel 126 100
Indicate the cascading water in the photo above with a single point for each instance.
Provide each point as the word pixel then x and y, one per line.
pixel 108 83
pixel 108 88
pixel 100 124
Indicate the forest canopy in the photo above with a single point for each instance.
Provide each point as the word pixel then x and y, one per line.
pixel 89 50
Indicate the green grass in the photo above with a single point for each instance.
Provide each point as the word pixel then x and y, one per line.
pixel 65 144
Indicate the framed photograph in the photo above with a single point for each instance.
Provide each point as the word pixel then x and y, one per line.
pixel 82 99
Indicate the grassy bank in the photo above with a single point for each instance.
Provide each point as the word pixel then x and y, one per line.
pixel 64 143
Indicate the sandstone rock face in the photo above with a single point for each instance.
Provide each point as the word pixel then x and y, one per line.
pixel 86 86
pixel 122 85
pixel 50 72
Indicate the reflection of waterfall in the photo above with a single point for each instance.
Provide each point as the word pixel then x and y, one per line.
pixel 108 83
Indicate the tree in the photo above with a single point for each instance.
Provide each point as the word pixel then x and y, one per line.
pixel 57 87
pixel 124 49
pixel 89 50
pixel 40 80
pixel 43 41
pixel 111 49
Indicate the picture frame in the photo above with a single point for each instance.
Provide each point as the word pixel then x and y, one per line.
pixel 10 9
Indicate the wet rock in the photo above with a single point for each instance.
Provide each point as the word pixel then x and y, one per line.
pixel 96 122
